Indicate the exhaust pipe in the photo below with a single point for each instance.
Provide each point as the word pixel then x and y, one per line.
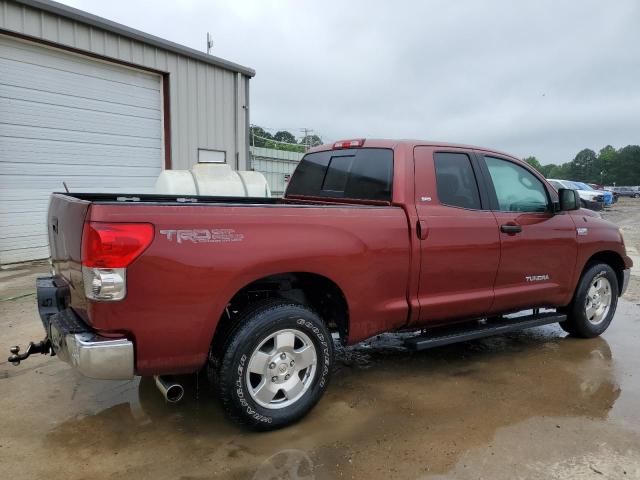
pixel 171 391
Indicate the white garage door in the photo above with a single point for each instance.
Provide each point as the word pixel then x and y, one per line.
pixel 63 117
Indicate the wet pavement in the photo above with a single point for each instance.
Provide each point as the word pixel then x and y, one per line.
pixel 534 404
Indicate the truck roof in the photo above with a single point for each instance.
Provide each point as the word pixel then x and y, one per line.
pixel 394 143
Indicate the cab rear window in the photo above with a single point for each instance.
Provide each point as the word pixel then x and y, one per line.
pixel 358 173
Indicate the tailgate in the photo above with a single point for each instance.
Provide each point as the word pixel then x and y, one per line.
pixel 64 224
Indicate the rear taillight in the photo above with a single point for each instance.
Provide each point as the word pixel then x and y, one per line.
pixel 114 245
pixel 356 143
pixel 107 249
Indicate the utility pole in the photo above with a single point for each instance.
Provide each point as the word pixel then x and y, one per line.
pixel 209 43
pixel 306 133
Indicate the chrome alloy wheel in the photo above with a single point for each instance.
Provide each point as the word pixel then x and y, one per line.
pixel 281 369
pixel 598 300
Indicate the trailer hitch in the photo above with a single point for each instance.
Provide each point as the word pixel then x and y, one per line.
pixel 43 347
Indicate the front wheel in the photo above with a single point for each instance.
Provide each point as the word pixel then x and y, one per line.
pixel 275 365
pixel 594 303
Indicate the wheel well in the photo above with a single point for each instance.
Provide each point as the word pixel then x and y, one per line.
pixel 613 259
pixel 315 291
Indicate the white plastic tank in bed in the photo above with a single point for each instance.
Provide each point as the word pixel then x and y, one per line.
pixel 213 180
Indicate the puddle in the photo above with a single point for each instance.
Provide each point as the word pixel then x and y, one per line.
pixel 388 413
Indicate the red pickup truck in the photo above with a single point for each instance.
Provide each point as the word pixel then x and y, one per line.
pixel 453 242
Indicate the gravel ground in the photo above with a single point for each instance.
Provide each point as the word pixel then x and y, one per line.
pixel 626 214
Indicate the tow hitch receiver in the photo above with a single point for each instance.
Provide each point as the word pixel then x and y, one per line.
pixel 43 347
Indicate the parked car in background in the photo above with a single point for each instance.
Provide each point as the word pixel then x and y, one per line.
pixel 595 186
pixel 591 199
pixel 608 196
pixel 627 192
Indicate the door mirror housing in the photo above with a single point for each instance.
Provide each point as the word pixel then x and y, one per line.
pixel 569 200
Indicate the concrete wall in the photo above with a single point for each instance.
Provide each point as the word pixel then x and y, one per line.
pixel 208 103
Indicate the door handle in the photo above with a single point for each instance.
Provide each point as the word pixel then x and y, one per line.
pixel 510 228
pixel 422 230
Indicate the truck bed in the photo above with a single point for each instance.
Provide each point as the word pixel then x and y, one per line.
pixel 164 199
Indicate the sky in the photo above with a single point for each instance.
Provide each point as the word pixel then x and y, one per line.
pixel 542 78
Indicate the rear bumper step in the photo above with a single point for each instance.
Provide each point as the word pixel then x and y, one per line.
pixel 461 333
pixel 91 354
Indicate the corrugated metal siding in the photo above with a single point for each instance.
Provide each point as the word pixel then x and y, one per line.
pixel 66 117
pixel 275 165
pixel 203 107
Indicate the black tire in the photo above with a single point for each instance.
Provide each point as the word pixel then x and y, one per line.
pixel 578 323
pixel 253 327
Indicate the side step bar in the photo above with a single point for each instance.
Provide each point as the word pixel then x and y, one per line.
pixel 461 333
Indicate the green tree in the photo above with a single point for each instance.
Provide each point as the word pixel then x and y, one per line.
pixel 626 169
pixel 607 167
pixel 259 136
pixel 533 161
pixel 558 171
pixel 605 164
pixel 546 169
pixel 583 167
pixel 284 136
pixel 311 140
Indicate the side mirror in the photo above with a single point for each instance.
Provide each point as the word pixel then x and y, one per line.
pixel 569 199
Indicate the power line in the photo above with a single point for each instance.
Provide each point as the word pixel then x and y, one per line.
pixel 275 141
pixel 306 133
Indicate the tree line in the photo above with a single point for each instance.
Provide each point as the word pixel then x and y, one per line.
pixel 281 140
pixel 607 167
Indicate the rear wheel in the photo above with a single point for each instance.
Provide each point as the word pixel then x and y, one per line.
pixel 594 303
pixel 275 365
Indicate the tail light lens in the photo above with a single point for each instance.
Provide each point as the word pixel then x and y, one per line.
pixel 107 250
pixel 114 245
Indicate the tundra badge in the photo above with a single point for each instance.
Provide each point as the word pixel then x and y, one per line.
pixel 537 278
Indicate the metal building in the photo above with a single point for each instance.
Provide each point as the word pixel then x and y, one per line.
pixel 276 165
pixel 102 106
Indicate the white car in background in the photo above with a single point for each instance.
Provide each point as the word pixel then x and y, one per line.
pixel 591 199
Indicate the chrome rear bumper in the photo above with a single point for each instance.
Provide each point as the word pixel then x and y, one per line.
pixel 76 343
pixel 95 356
pixel 626 275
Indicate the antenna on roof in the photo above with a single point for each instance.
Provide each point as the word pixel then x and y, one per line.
pixel 64 184
pixel 209 43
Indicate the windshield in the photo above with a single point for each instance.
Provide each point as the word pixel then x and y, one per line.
pixel 583 186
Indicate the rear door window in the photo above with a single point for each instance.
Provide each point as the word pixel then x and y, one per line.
pixel 359 174
pixel 456 181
